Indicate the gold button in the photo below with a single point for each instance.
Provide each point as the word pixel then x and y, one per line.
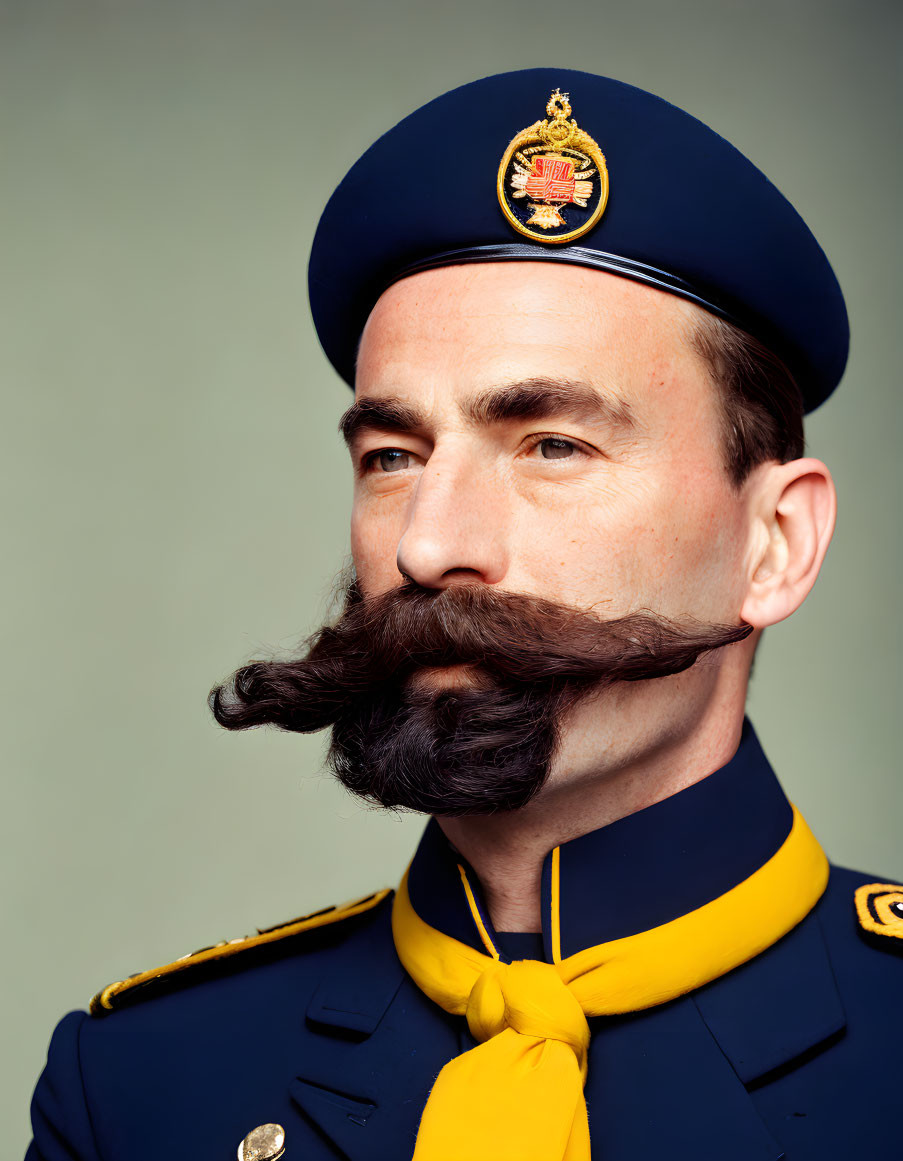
pixel 265 1143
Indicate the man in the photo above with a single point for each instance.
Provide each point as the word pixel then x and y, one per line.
pixel 580 497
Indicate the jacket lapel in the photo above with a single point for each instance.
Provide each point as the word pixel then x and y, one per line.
pixel 659 1086
pixel 777 1009
pixel 373 1046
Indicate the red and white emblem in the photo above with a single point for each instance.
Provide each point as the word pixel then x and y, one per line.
pixel 551 181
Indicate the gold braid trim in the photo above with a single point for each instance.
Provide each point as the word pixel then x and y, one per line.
pixel 879 908
pixel 111 996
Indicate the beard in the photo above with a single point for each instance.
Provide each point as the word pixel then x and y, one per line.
pixel 474 748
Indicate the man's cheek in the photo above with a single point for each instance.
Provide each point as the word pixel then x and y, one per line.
pixel 374 550
pixel 656 563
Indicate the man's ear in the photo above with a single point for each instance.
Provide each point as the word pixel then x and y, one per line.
pixel 795 506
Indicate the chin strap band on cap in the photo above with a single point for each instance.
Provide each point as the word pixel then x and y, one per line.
pixel 518 1096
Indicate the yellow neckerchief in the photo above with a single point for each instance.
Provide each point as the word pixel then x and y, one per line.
pixel 518 1096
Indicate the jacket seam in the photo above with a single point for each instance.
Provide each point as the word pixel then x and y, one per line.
pixel 81 1075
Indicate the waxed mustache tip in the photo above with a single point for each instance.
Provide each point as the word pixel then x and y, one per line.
pixel 510 638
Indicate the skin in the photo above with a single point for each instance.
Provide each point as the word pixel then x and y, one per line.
pixel 595 513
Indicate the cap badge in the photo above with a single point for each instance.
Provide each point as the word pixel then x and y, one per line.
pixel 550 166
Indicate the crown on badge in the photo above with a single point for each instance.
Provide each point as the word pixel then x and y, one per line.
pixel 559 130
pixel 554 164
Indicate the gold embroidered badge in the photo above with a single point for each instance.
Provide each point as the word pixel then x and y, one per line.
pixel 555 165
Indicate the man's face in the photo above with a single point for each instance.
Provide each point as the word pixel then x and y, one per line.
pixel 550 430
pixel 561 439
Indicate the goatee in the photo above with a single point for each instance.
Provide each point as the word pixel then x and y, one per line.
pixel 476 747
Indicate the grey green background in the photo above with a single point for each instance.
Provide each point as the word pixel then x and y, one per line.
pixel 176 496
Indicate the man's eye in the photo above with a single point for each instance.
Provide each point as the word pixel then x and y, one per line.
pixel 556 449
pixel 389 460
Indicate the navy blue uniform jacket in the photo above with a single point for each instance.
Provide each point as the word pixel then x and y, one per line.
pixel 795 1054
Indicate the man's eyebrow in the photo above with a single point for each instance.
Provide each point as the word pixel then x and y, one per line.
pixel 545 398
pixel 539 398
pixel 379 415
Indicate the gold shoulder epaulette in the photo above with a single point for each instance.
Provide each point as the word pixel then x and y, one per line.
pixel 879 907
pixel 112 996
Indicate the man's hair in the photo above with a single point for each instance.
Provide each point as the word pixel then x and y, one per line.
pixel 761 404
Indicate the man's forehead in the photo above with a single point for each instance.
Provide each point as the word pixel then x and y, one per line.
pixel 493 325
pixel 506 290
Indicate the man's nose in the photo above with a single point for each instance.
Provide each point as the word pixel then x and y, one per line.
pixel 457 526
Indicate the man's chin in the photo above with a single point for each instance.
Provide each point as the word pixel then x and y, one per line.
pixel 451 741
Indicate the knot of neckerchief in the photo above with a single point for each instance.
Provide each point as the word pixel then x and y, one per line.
pixel 518 1096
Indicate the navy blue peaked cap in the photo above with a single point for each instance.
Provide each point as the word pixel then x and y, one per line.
pixel 686 213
